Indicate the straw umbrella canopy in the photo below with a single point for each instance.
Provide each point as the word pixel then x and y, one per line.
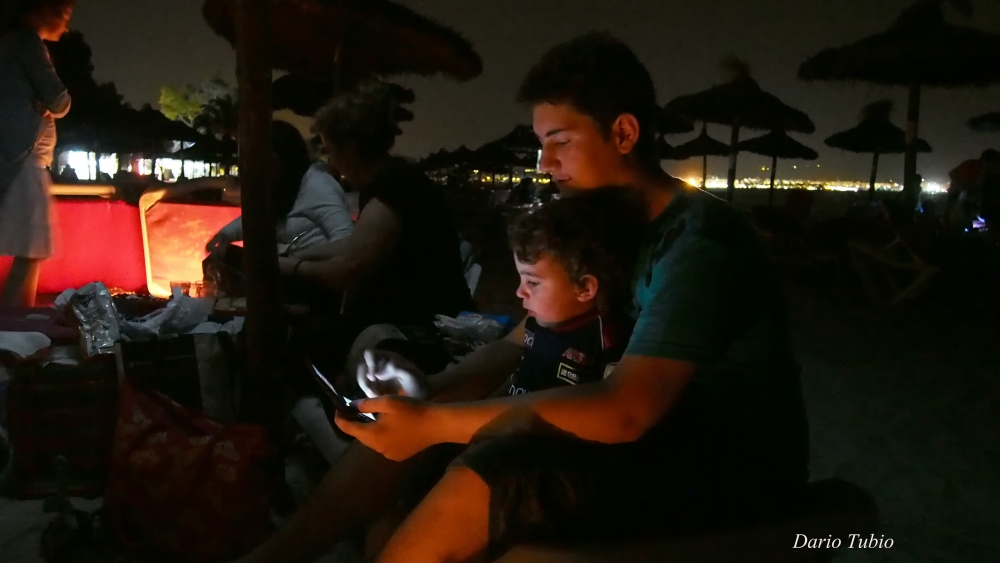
pixel 435 161
pixel 987 123
pixel 520 139
pixel 301 94
pixel 919 49
pixel 670 123
pixel 703 146
pixel 738 103
pixel 663 148
pixel 876 135
pixel 519 147
pixel 777 144
pixel 304 96
pixel 344 40
pixel 210 149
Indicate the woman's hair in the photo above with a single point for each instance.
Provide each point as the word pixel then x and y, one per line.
pixel 293 163
pixel 12 12
pixel 596 233
pixel 369 117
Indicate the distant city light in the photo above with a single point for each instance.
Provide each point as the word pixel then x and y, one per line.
pixel 715 182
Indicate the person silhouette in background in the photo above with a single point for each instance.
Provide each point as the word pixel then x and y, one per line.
pixel 32 97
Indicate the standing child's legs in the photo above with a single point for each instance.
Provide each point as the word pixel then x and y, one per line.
pixel 22 283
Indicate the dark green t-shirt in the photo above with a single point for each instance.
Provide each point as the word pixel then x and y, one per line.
pixel 705 292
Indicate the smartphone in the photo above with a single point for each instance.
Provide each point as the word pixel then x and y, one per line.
pixel 343 405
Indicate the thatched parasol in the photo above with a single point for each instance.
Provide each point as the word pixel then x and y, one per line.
pixel 351 39
pixel 445 159
pixel 669 123
pixel 435 161
pixel 124 130
pixel 740 102
pixel 876 135
pixel 703 146
pixel 663 148
pixel 987 123
pixel 920 48
pixel 521 139
pixel 777 144
pixel 302 95
pixel 210 149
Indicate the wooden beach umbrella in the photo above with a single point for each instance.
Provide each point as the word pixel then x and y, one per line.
pixel 521 139
pixel 740 103
pixel 301 94
pixel 670 123
pixel 435 161
pixel 304 96
pixel 345 40
pixel 919 49
pixel 703 146
pixel 663 148
pixel 777 144
pixel 519 147
pixel 987 123
pixel 876 135
pixel 341 40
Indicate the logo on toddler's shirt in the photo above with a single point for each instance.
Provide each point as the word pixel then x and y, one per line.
pixel 529 338
pixel 568 374
pixel 575 355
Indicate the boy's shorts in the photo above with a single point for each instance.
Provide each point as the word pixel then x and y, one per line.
pixel 555 488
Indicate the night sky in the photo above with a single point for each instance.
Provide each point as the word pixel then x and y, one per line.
pixel 143 44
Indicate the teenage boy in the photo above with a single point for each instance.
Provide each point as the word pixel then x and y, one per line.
pixel 701 423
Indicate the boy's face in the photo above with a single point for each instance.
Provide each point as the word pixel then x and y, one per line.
pixel 577 153
pixel 549 295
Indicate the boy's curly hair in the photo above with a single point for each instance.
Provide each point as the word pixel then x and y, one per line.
pixel 597 233
pixel 368 116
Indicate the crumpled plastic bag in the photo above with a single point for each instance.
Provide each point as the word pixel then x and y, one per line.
pixel 181 315
pixel 470 328
pixel 97 317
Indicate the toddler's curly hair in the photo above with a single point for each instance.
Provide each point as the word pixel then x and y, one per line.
pixel 597 233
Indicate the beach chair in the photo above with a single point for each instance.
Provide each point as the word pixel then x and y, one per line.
pixel 784 225
pixel 906 257
pixel 832 508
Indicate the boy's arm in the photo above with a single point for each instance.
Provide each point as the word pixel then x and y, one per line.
pixel 618 409
pixel 688 321
pixel 481 372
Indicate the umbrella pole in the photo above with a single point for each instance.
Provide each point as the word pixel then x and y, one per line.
pixel 731 180
pixel 871 184
pixel 704 170
pixel 264 332
pixel 911 190
pixel 770 191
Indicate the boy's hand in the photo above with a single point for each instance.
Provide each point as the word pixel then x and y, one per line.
pixel 386 373
pixel 404 428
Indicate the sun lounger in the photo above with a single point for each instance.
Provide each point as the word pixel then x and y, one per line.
pixel 904 255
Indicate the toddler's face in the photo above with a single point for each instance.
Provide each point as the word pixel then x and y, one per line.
pixel 548 293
